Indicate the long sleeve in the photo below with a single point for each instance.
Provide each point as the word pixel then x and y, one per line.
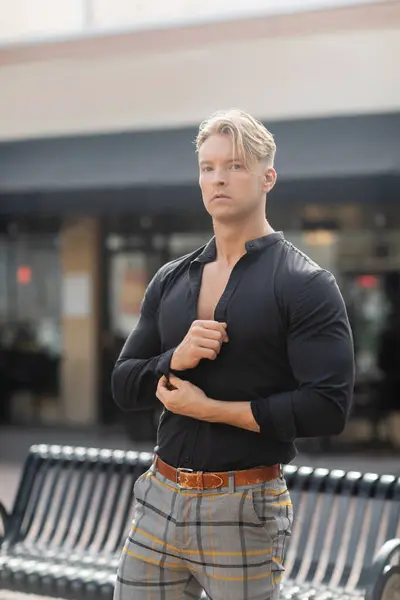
pixel 141 363
pixel 321 356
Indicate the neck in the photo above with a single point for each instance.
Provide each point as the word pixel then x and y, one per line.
pixel 231 238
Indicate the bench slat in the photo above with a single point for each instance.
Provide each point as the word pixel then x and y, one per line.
pixel 325 506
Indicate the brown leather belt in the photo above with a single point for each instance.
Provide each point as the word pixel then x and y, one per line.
pixel 199 480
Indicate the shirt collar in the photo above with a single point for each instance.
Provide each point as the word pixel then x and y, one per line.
pixel 209 253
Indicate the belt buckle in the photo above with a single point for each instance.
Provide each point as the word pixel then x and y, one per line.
pixel 178 472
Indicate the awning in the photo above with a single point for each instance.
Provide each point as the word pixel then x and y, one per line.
pixel 347 147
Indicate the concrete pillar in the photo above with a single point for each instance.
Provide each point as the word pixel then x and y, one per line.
pixel 80 258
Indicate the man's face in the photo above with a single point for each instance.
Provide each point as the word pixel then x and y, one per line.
pixel 231 191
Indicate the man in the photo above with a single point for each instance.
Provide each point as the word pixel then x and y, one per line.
pixel 247 344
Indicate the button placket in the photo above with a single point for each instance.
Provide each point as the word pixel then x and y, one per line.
pixel 233 281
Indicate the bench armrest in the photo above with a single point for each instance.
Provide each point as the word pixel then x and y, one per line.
pixel 4 517
pixel 385 577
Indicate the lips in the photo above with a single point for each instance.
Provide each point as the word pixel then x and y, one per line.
pixel 219 196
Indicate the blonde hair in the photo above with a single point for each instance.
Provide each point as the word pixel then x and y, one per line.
pixel 252 140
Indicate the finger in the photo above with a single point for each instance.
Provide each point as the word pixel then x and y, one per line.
pixel 164 387
pixel 224 332
pixel 175 380
pixel 163 394
pixel 207 353
pixel 213 324
pixel 219 327
pixel 207 343
pixel 208 324
pixel 207 348
pixel 211 334
pixel 162 383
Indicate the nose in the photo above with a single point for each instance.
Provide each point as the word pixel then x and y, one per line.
pixel 219 177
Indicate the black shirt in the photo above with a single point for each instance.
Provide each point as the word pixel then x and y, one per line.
pixel 290 353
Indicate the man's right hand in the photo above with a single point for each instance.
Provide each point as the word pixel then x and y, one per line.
pixel 203 340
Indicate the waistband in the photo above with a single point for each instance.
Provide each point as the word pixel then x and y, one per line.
pixel 199 480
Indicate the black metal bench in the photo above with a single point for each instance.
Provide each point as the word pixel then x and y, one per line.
pixel 73 509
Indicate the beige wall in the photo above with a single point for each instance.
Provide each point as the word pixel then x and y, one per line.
pixel 311 65
pixel 341 73
pixel 27 20
pixel 80 321
pixel 142 13
pixel 30 19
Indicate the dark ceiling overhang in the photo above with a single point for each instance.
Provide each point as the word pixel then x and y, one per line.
pixel 307 149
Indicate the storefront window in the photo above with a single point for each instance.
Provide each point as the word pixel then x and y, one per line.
pixel 30 327
pixel 184 243
pixel 128 281
pixel 4 284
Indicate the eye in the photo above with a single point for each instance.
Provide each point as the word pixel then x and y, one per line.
pixel 206 169
pixel 236 166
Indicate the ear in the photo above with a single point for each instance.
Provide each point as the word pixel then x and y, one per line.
pixel 270 177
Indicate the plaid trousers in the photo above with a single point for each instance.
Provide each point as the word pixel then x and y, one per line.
pixel 229 542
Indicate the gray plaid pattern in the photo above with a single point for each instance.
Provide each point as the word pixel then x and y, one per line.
pixel 229 542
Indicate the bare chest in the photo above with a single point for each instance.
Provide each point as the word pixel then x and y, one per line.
pixel 213 284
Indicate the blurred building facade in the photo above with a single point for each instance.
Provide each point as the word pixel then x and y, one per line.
pixel 98 175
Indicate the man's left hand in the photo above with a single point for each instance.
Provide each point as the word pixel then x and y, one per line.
pixel 182 397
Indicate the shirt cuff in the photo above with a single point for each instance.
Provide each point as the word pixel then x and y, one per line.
pixel 164 363
pixel 274 415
